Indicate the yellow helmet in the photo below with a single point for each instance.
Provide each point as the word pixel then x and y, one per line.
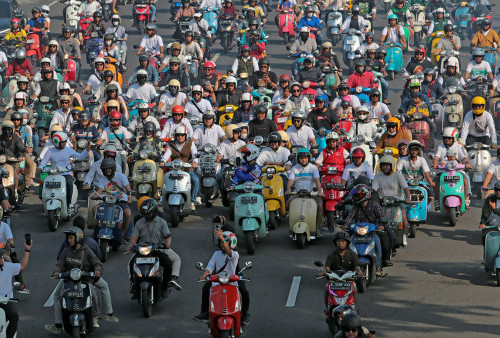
pixel 478 100
pixel 174 83
pixel 229 130
pixel 394 120
pixel 140 201
pixel 284 136
pixel 113 103
pixel 56 128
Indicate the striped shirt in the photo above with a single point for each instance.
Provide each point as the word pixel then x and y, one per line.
pixel 303 177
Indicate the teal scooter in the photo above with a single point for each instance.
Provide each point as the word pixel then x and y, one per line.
pixel 451 191
pixel 250 214
pixel 416 211
pixel 492 251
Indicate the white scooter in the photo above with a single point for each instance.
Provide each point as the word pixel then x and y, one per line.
pixel 367 144
pixel 480 160
pixel 351 46
pixel 176 192
pixel 334 21
pixel 3 320
pixel 71 17
pixel 54 197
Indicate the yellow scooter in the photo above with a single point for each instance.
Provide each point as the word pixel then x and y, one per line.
pixel 147 176
pixel 394 152
pixel 226 114
pixel 274 193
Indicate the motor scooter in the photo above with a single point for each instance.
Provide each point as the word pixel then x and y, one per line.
pixel 463 21
pixel 93 46
pixel 208 168
pixel 451 191
pixel 81 168
pixel 302 218
pixel 226 114
pixel 394 59
pixel 367 144
pixel 54 197
pixel 334 20
pixel 341 289
pixel 417 13
pixel 147 176
pixel 363 244
pixel 210 14
pixel 362 93
pixel 286 25
pixel 333 192
pixel 108 224
pixel 83 24
pixel 331 79
pixel 7 165
pixel 34 49
pixel 147 277
pixel 274 193
pixel 418 124
pixel 4 323
pixel 393 217
pixel 70 13
pixel 351 47
pixel 182 27
pixel 142 14
pixel 492 250
pixel 71 67
pixel 454 109
pixel 320 137
pixel 226 31
pixel 175 5
pixel 106 9
pixel 416 211
pixel 251 215
pixel 225 299
pixel 176 192
pixel 480 160
pixel 77 303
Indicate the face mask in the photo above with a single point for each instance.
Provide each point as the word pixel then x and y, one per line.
pixel 25 122
pixel 310 15
pixel 391 133
pixel 108 42
pixel 243 136
pixel 116 23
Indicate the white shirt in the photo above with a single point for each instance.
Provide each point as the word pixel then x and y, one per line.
pixel 168 153
pixel 109 136
pixel 470 126
pixel 234 67
pixel 364 47
pixel 200 26
pixel 48 145
pixel 170 126
pixel 211 3
pixel 347 23
pixel 169 101
pixel 228 149
pixel 3 58
pixel 351 172
pixel 5 233
pixel 478 70
pixel 204 106
pixel 144 93
pixel 38 77
pixel 301 137
pixel 393 34
pixel 121 180
pixel 62 158
pixel 219 259
pixel 460 151
pixel 94 82
pixel 91 7
pixel 303 177
pixel 66 121
pixel 9 270
pixel 152 44
pixel 378 111
pixel 138 123
pixel 95 173
pixel 211 135
pixel 419 166
pixel 494 169
pixel 368 130
pixel 270 156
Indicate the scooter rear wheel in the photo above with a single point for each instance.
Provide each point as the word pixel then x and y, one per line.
pixel 361 282
pixel 498 278
pixel 413 229
pixel 53 222
pixel 174 216
pixel 224 334
pixel 273 219
pixel 286 38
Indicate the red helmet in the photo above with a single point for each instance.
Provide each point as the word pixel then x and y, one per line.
pixel 285 77
pixel 210 65
pixel 178 110
pixel 359 153
pixel 115 119
pixel 16 20
pixel 420 49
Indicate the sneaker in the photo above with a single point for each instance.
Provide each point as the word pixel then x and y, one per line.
pixel 201 317
pixel 405 241
pixel 387 262
pixel 111 318
pixel 23 289
pixel 54 329
pixel 198 200
pixel 214 195
pixel 96 322
pixel 379 272
pixel 175 284
pixel 193 207
pixel 245 319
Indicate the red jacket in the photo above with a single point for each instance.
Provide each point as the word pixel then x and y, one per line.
pixel 365 80
pixel 20 68
pixel 257 50
pixel 335 158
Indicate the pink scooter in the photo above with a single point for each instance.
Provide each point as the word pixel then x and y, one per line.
pixel 286 25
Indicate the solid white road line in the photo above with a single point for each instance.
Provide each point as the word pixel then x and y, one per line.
pixel 53 2
pixel 216 56
pixel 294 290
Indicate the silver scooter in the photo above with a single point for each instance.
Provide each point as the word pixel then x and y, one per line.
pixel 176 192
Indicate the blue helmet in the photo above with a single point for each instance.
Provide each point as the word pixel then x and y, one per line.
pixel 322 97
pixel 478 52
pixel 301 152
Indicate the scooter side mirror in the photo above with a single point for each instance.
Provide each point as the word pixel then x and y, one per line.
pixel 431 156
pixel 200 266
pixel 248 265
pixel 318 263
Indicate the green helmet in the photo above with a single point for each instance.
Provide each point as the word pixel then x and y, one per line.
pixel 393 16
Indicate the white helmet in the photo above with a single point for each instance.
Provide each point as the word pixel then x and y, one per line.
pixel 450 132
pixel 250 151
pixel 45 60
pixel 99 59
pixel 230 79
pixel 332 136
pixel 181 130
pixel 63 85
pixel 20 96
pixel 230 238
pixel 299 114
pixel 197 88
pixel 110 148
pixel 115 17
pixel 305 29
pixel 45 11
pixel 246 97
pixel 362 109
pixel 59 138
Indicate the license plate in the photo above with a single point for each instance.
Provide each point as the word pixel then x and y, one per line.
pixel 53 185
pixel 362 239
pixel 75 294
pixel 282 119
pixel 175 177
pixel 30 41
pixel 418 131
pixel 145 260
pixel 451 178
pixel 350 42
pixel 341 286
pixel 249 200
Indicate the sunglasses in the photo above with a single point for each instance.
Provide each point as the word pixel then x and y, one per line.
pixel 177 135
pixel 174 64
pixel 115 120
pixel 350 330
pixel 14 120
pixel 392 126
pixel 296 90
pixel 62 102
pixel 231 84
pixel 177 114
pixel 194 93
pixel 478 106
pixel 263 66
pixel 478 56
pixel 363 113
pixel 296 120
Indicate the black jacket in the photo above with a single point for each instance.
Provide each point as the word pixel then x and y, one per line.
pixel 263 128
pixel 12 148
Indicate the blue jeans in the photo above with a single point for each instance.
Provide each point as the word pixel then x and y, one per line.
pixel 195 185
pixel 152 8
pixel 36 142
pixel 218 179
pixel 385 88
pixel 319 38
pixel 378 250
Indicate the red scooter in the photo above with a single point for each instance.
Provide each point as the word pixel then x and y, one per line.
pixel 333 192
pixel 85 21
pixel 419 127
pixel 142 14
pixel 71 66
pixel 342 128
pixel 309 91
pixel 286 25
pixel 33 45
pixel 225 303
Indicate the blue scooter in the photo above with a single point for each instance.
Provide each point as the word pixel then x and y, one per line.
pixel 362 93
pixel 416 212
pixel 93 47
pixel 492 251
pixel 394 59
pixel 363 244
pixel 462 21
pixel 210 14
pixel 108 225
pixel 321 139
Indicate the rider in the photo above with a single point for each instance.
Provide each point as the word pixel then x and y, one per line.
pixel 361 76
pixel 173 97
pixel 142 90
pixel 19 118
pixel 419 61
pixel 328 58
pixel 154 230
pixel 64 115
pixel 95 175
pixel 392 183
pixel 175 121
pixel 151 42
pixel 261 125
pixel 333 155
pixel 311 21
pixel 310 73
pixel 229 96
pixel 198 105
pixel 368 44
pixel 95 79
pixel 301 134
pixel 249 170
pixel 275 154
pixel 357 168
pixel 322 115
pixel 20 65
pixel 342 258
pixel 449 41
pixel 84 129
pixel 354 21
pixel 71 46
pixel 478 125
pixel 191 47
pixel 144 116
pixel 97 25
pixel 209 132
pixel 486 37
pixel 378 110
pixel 56 57
pixel 394 33
pixel 175 72
pixel 297 101
pixel 451 76
pixel 305 43
pixel 150 69
pixel 363 125
pixel 478 67
pixel 490 210
pixel 393 135
pixel 12 145
pixel 493 173
pixel 343 91
pixel 16 32
pixel 439 22
pixel 263 77
pixel 245 63
pixel 246 112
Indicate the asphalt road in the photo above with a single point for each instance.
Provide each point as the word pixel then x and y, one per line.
pixel 437 286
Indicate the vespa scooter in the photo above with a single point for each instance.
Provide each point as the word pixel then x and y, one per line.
pixel 480 160
pixel 108 225
pixel 416 211
pixel 333 192
pixel 302 218
pixel 451 191
pixel 351 46
pixel 147 176
pixel 363 244
pixel 393 216
pixel 492 252
pixel 274 193
pixel 208 171
pixel 176 192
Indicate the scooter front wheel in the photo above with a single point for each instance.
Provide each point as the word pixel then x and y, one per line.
pixel 413 229
pixel 361 282
pixel 224 334
pixel 147 306
pixel 301 240
pixel 286 38
pixel 174 215
pixel 453 216
pixel 75 332
pixel 498 278
pixel 103 246
pixel 249 242
pixel 53 222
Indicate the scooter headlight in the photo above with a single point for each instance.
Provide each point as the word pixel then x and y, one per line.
pixel 362 231
pixel 82 143
pixel 451 165
pixel 359 89
pixel 452 89
pixel 248 187
pixel 75 274
pixel 388 151
pixel 143 154
pixel 177 164
pixel 270 170
pixel 53 171
pixel 3 159
pixel 224 277
pixel 209 148
pixel 145 250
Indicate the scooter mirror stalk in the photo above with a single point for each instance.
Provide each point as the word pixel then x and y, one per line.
pixel 200 266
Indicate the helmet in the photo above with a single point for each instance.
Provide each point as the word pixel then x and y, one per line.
pixel 486 22
pixel 415 83
pixel 302 152
pixel 305 29
pixel 273 137
pixel 429 71
pixel 97 14
pixel 77 232
pixel 113 103
pixel 452 62
pixel 332 136
pixel 230 238
pixel 355 9
pixel 142 72
pixel 351 321
pixel 245 48
pixel 497 185
pixel 374 91
pixel 394 120
pixel 342 309
pixel 181 130
pixel 299 114
pixel 260 108
pixel 188 33
pixel 110 149
pixel 341 235
pixel 177 109
pixel 322 98
pixel 22 79
pixel 478 100
pixel 109 36
pixel 284 136
pixel 393 17
pixel 450 152
pixel 99 60
pixel 230 129
pixel 253 21
pixel 420 49
pixel 246 97
pixel 15 20
pixel 198 15
pixel 369 34
pixel 440 10
pixel 450 132
pixel 115 17
pixel 108 163
pixel 263 61
pixel 107 73
pixel 149 126
pixel 20 96
pixel 20 53
pixel 358 153
pixel 197 88
pixel 64 86
pixel 309 9
pixel 327 45
pixel 255 32
pixel 231 79
pixel 388 159
pixel 83 115
pixel 449 28
pixel 250 152
pixel 53 43
pixel 363 109
pixel 358 63
pixel 58 138
pixel 361 193
pixel 209 65
pixel 478 52
pixel 174 83
pixel 8 124
pixel 149 209
pixel 414 144
pixel 342 85
pixel 115 119
pixel 66 29
pixel 65 98
pixel 175 45
pixel 16 116
pixel 111 87
pixel 346 101
pixel 208 115
pixel 54 128
pixel 403 143
pixel 36 10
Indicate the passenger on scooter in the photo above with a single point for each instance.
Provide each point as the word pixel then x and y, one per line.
pixel 392 183
pixel 491 209
pixel 115 133
pixel 363 125
pixel 119 32
pixel 419 61
pixel 493 175
pixel 253 24
pixel 333 155
pixel 432 88
pixel 368 44
pixel 361 77
pixel 403 148
pixel 394 33
pixel 45 63
pixel 311 21
pixel 393 135
pixel 246 112
pixel 97 25
pixel 249 171
pixel 354 21
pixel 486 37
pixel 378 110
pixel 19 101
pixel 415 166
pixel 20 65
pixel 110 106
pixel 154 230
pixel 259 12
pixel 300 134
pixel 478 125
pixel 322 116
pixel 209 132
pixel 224 260
pixel 264 77
pixel 138 124
pixel 343 91
pixel 16 32
pixel 305 43
pixel 261 125
pixel 478 67
pixel 356 169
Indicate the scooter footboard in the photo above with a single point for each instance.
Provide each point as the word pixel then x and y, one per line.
pixel 225 323
pixel 491 248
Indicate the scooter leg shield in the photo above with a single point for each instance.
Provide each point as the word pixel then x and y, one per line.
pixel 491 248
pixel 175 199
pixel 249 224
pixel 273 205
pixel 300 228
pixel 53 205
pixel 225 323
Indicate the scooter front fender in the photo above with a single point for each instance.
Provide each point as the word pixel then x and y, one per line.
pixel 175 199
pixel 273 205
pixel 105 233
pixel 145 285
pixel 300 228
pixel 452 201
pixel 225 323
pixel 53 205
pixel 249 224
pixel 76 319
pixel 330 205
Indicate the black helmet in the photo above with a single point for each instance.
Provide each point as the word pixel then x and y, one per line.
pixel 97 14
pixel 448 28
pixel 77 232
pixel 253 21
pixel 309 9
pixel 263 61
pixel 149 209
pixel 16 116
pixel 341 235
pixel 343 85
pixel 143 58
pixel 107 73
pixel 361 193
pixel 260 108
pixel 351 321
pixel 149 126
pixel 66 29
pixel 188 33
pixel 254 32
pixel 108 163
pixel 83 115
pixel 374 91
pixel 274 137
pixel 359 62
pixel 486 22
pixel 109 36
pixel 111 87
